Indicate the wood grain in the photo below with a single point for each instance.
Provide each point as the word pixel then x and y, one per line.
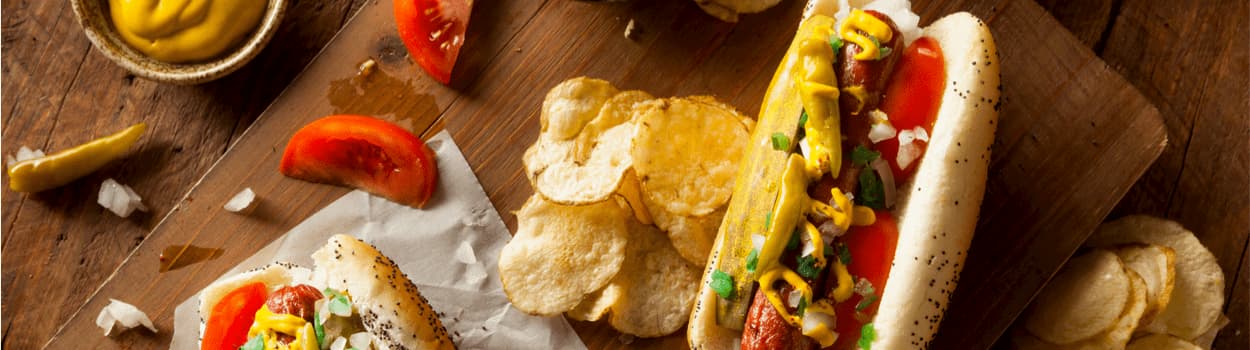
pixel 56 239
pixel 59 92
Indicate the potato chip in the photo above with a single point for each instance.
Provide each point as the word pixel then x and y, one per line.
pixel 1198 296
pixel 631 192
pixel 572 104
pixel 692 236
pixel 1161 342
pixel 1156 265
pixel 687 153
pixel 595 305
pixel 621 108
pixel 1085 298
pixel 656 286
pixel 562 253
pixel 1114 338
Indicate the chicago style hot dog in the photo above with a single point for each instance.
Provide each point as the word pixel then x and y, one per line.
pixel 856 201
pixel 356 297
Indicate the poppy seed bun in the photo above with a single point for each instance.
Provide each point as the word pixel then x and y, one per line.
pixel 388 302
pixel 390 307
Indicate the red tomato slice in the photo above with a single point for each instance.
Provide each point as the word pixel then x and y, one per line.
pixel 913 97
pixel 232 316
pixel 433 31
pixel 872 252
pixel 366 153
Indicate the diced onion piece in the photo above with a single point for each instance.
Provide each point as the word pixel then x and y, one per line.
pixel 241 201
pixel 340 308
pixel 921 134
pixel 128 316
pixel 320 306
pixel 863 287
pixel 24 154
pixel 804 148
pixel 360 340
pixel 829 231
pixel 808 247
pixel 907 154
pixel 757 242
pixel 794 298
pixel 881 129
pixel 119 199
pixel 887 180
pixel 339 343
pixel 813 319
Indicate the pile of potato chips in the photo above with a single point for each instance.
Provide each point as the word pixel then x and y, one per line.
pixel 630 191
pixel 1145 283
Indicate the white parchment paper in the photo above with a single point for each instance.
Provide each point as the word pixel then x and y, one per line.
pixel 450 250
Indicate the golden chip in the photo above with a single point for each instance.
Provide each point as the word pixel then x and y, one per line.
pixel 1161 342
pixel 595 305
pixel 619 109
pixel 692 236
pixel 656 286
pixel 1156 265
pixel 1114 338
pixel 631 192
pixel 1198 295
pixel 562 253
pixel 1085 298
pixel 570 105
pixel 687 153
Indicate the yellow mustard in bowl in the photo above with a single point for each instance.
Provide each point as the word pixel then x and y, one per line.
pixel 181 31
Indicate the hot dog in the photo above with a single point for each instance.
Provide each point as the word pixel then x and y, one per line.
pixel 855 238
pixel 356 297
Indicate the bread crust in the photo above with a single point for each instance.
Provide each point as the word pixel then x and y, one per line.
pixel 938 209
pixel 390 306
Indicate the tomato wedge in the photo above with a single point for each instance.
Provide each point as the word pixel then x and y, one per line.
pixel 365 153
pixel 433 31
pixel 872 251
pixel 913 97
pixel 232 316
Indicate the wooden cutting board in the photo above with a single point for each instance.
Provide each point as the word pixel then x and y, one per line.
pixel 1073 136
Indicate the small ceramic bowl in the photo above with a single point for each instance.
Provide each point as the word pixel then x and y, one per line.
pixel 94 18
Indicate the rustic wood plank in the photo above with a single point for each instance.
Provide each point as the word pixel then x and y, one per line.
pixel 59 92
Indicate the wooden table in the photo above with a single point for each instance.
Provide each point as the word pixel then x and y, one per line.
pixel 1189 59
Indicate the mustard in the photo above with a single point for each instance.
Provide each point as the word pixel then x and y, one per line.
pixel 868 32
pixel 180 31
pixel 268 322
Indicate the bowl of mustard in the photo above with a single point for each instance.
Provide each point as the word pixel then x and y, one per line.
pixel 180 41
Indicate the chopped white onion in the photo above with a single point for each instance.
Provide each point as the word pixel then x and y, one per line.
pixel 339 343
pixel 804 148
pixel 241 201
pixel 863 287
pixel 808 247
pixel 881 129
pixel 906 137
pixel 320 306
pixel 907 153
pixel 887 180
pixel 23 154
pixel 829 231
pixel 850 197
pixel 921 134
pixel 812 319
pixel 794 298
pixel 128 316
pixel 119 199
pixel 361 340
pixel 757 242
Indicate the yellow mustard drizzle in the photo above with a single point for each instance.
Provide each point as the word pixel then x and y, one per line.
pixel 268 324
pixel 860 95
pixel 819 93
pixel 179 31
pixel 861 28
pixel 791 207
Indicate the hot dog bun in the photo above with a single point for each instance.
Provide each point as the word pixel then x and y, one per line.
pixel 938 210
pixel 390 306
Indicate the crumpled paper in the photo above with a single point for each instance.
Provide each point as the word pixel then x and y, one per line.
pixel 450 250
